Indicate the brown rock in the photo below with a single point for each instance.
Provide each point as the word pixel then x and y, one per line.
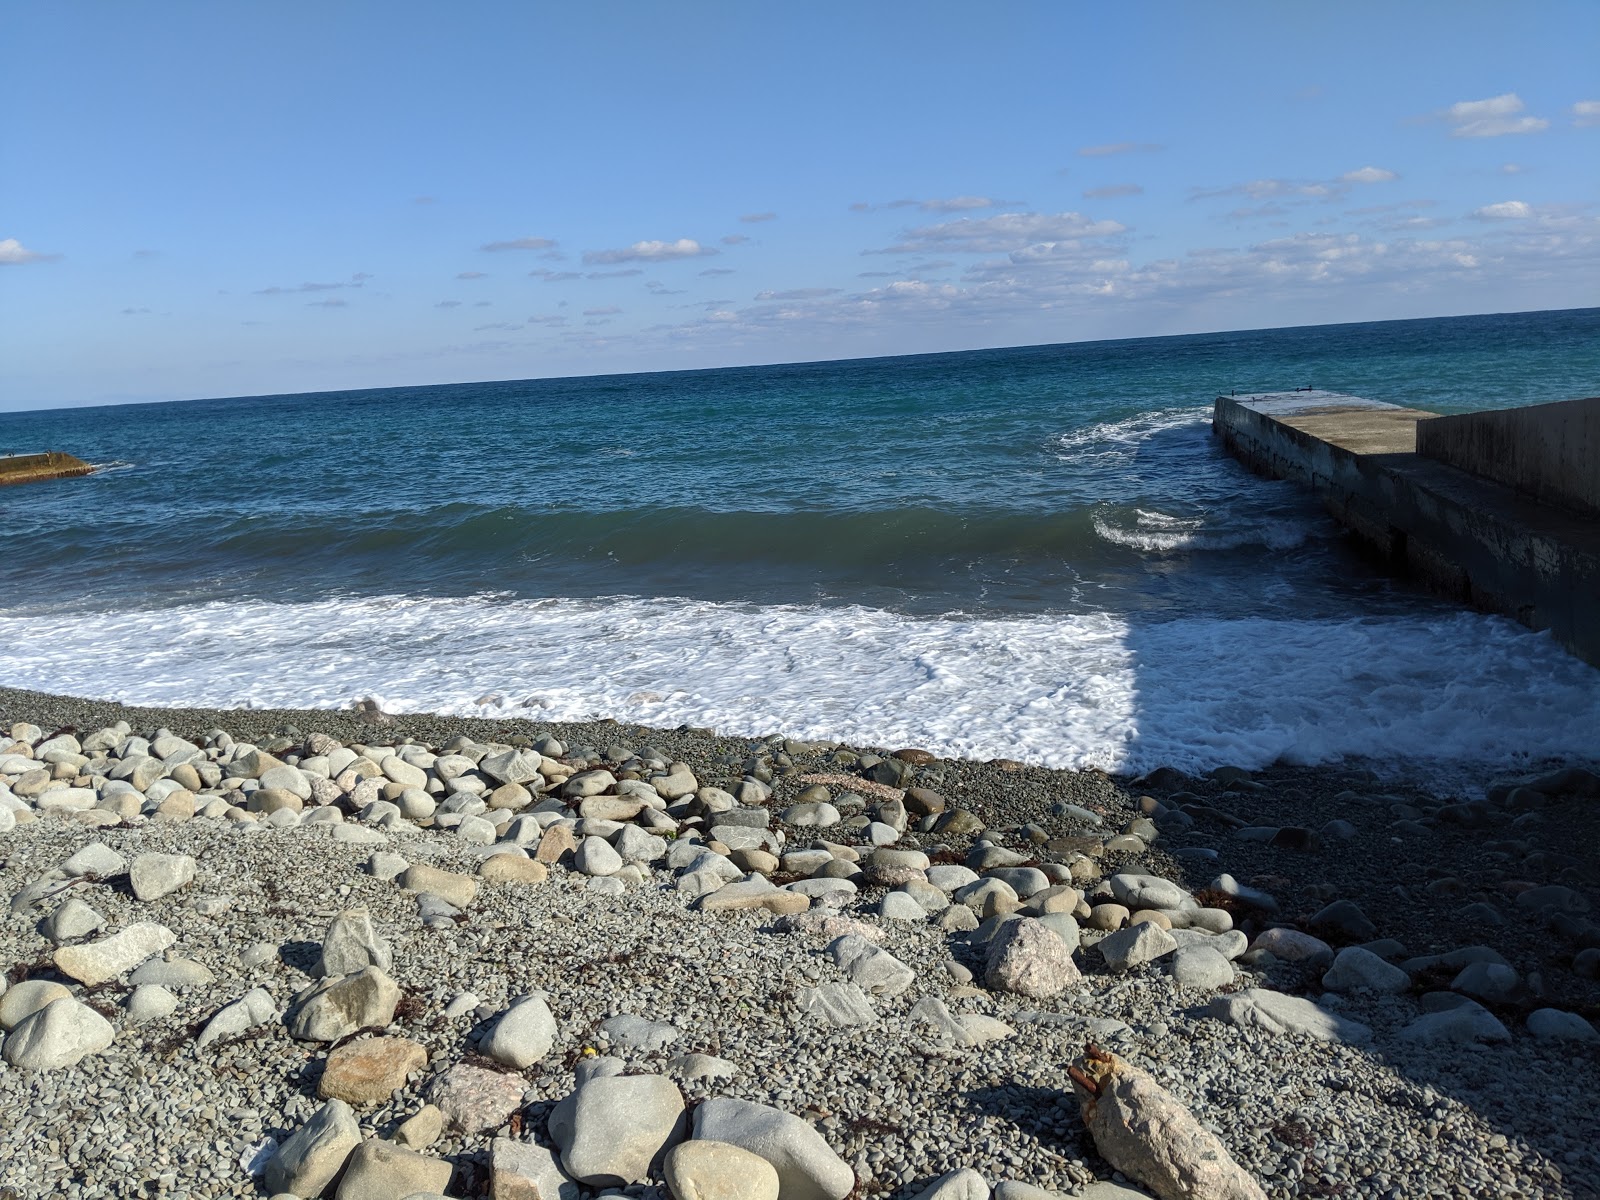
pixel 447 885
pixel 513 868
pixel 558 842
pixel 762 862
pixel 1150 916
pixel 510 795
pixel 269 800
pixel 917 758
pixel 371 1070
pixel 178 806
pixel 924 802
pixel 422 1128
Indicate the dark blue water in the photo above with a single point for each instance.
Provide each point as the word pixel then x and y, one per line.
pixel 1036 516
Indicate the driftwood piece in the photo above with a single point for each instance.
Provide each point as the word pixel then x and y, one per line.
pixel 1140 1129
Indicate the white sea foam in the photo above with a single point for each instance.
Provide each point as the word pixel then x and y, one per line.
pixel 1121 439
pixel 1062 691
pixel 1161 533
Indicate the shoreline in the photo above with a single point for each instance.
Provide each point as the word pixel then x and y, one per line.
pixel 1378 1115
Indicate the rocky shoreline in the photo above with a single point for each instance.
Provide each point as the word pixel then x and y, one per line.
pixel 340 953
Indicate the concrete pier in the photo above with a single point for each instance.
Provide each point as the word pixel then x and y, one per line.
pixel 1462 534
pixel 30 468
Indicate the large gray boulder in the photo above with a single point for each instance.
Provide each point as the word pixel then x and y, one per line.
pixel 58 1035
pixel 309 1158
pixel 612 1128
pixel 807 1167
pixel 336 1008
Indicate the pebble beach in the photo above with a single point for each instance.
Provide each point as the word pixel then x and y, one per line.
pixel 348 953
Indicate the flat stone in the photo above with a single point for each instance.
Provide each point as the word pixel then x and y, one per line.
pixel 453 889
pixel 965 1184
pixel 513 868
pixel 97 962
pixel 1146 891
pixel 838 1004
pixel 807 1167
pixel 639 1033
pixel 1135 946
pixel 756 892
pixel 1291 945
pixel 617 1126
pixel 97 859
pixel 380 1170
pixel 307 1161
pixel 57 1036
pixel 706 1170
pixel 874 969
pixel 156 875
pixel 1462 1023
pixel 475 1099
pixel 336 1008
pixel 173 973
pixel 1277 1013
pixel 371 1070
pixel 523 1034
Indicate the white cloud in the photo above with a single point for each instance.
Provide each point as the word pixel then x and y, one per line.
pixel 1112 190
pixel 800 294
pixel 14 254
pixel 753 218
pixel 522 243
pixel 1368 175
pixel 650 252
pixel 1512 169
pixel 1494 117
pixel 1586 113
pixel 734 239
pixel 1507 210
pixel 1000 234
pixel 1119 148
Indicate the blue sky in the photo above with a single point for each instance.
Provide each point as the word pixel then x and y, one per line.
pixel 202 199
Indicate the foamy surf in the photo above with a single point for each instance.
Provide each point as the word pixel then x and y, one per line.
pixel 1452 691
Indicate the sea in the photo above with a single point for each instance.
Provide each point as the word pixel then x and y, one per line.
pixel 1038 553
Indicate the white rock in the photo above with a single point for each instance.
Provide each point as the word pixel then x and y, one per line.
pixel 1552 1024
pixel 96 962
pixel 158 875
pixel 1355 969
pixel 705 1170
pixel 965 1184
pixel 253 1008
pixel 595 856
pixel 1136 945
pixel 149 1002
pixel 807 1167
pixel 523 1034
pixel 1200 967
pixel 312 1155
pixel 57 1036
pixel 95 859
pixel 23 999
pixel 74 919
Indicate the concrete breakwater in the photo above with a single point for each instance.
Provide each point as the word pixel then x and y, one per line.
pixel 1452 512
pixel 33 468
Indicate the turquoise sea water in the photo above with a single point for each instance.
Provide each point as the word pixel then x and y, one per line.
pixel 1039 552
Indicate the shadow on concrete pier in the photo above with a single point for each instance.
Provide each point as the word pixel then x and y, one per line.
pixel 1500 509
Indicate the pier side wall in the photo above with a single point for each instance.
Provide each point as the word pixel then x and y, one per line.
pixel 1548 451
pixel 1464 538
